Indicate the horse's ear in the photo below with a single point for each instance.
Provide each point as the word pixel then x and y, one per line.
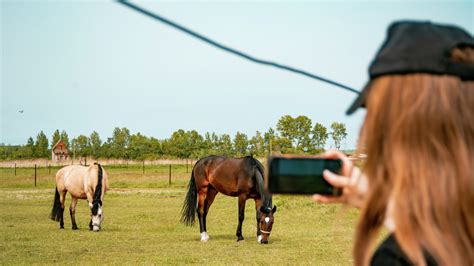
pixel 263 209
pixel 274 209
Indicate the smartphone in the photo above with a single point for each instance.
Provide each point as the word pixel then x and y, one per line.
pixel 301 175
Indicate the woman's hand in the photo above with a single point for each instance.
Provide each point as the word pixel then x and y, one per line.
pixel 353 184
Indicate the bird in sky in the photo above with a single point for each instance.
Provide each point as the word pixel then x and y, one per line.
pixel 21 111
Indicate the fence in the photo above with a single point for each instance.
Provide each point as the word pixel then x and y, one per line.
pixel 88 161
pixel 37 170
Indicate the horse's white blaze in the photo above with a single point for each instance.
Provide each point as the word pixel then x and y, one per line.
pixel 204 237
pixel 259 238
pixel 267 219
pixel 97 219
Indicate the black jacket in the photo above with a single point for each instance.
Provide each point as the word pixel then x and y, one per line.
pixel 390 253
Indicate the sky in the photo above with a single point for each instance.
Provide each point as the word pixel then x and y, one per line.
pixel 81 66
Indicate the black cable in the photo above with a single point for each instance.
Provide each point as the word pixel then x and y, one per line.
pixel 230 50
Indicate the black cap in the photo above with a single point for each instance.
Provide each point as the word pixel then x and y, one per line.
pixel 418 47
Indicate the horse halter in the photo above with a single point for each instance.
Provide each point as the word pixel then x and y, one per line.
pixel 264 232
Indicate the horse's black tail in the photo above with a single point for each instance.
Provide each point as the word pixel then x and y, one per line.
pixel 188 212
pixel 57 210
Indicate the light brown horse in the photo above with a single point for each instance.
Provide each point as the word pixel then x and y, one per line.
pixel 82 182
pixel 236 177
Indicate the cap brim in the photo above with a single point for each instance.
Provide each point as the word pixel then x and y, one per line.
pixel 359 101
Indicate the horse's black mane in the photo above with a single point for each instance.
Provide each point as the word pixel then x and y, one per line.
pixel 98 192
pixel 266 198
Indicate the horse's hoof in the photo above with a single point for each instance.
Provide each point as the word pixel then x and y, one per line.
pixel 74 228
pixel 239 238
pixel 204 237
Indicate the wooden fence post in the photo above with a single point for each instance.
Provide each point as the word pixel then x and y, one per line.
pixel 35 175
pixel 169 180
pixel 143 167
pixel 15 169
pixel 49 166
pixel 186 166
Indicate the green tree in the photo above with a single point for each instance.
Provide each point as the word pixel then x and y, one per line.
pixel 319 138
pixel 95 144
pixel 176 144
pixel 297 130
pixel 282 145
pixel 81 146
pixel 241 144
pixel 30 148
pixel 119 143
pixel 195 143
pixel 269 138
pixel 257 145
pixel 184 144
pixel 224 145
pixel 139 146
pixel 207 145
pixel 156 149
pixel 65 139
pixel 56 138
pixel 106 149
pixel 41 146
pixel 286 127
pixel 303 129
pixel 338 133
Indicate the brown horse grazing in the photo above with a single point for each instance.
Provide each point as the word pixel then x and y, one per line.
pixel 236 177
pixel 82 182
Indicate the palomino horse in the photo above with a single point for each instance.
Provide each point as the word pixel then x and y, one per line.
pixel 236 177
pixel 82 182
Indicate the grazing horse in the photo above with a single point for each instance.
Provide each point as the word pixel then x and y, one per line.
pixel 82 182
pixel 236 177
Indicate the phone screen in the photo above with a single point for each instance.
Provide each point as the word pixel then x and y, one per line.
pixel 301 175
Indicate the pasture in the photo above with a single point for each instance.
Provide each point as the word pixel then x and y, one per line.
pixel 141 225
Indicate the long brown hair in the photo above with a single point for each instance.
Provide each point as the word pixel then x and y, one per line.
pixel 419 138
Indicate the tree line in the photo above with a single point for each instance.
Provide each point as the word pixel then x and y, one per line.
pixel 291 135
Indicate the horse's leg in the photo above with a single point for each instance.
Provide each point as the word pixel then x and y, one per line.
pixel 62 199
pixel 72 212
pixel 258 204
pixel 242 199
pixel 211 195
pixel 200 212
pixel 90 199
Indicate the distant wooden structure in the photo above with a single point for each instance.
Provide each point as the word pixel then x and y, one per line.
pixel 59 152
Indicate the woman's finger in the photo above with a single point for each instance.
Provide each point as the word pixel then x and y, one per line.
pixel 335 180
pixel 347 164
pixel 326 199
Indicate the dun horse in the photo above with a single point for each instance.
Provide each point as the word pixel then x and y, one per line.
pixel 236 177
pixel 82 183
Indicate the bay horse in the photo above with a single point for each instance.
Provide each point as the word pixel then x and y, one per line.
pixel 82 182
pixel 236 177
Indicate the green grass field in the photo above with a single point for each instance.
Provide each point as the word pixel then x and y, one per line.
pixel 141 225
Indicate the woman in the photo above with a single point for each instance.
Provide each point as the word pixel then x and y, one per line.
pixel 418 134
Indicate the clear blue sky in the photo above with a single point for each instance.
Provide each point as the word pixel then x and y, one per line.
pixel 84 66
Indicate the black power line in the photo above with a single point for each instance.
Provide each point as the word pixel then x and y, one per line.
pixel 230 50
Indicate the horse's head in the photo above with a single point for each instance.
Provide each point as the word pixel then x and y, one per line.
pixel 97 216
pixel 266 223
